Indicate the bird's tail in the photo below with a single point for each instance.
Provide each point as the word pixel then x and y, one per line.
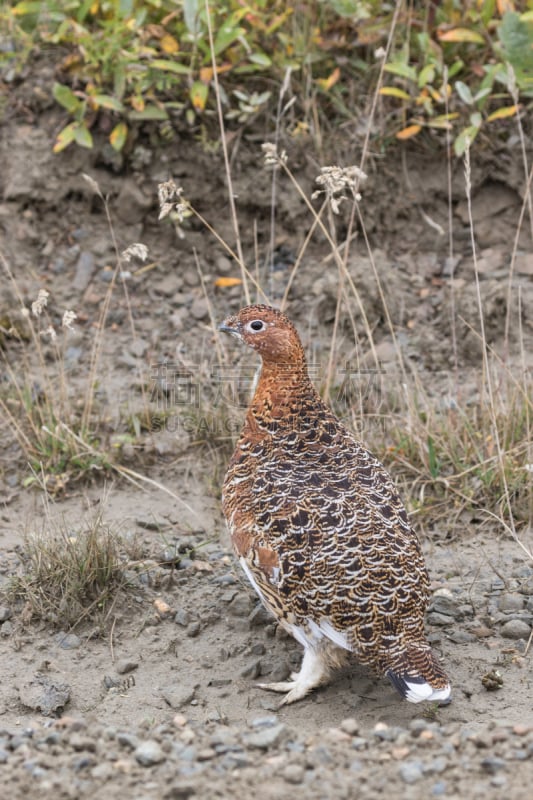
pixel 418 676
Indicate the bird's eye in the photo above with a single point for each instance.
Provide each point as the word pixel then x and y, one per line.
pixel 256 325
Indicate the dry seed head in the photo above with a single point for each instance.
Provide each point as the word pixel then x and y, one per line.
pixel 68 319
pixel 334 181
pixel 136 250
pixel 92 183
pixel 171 200
pixel 50 331
pixel 38 306
pixel 271 155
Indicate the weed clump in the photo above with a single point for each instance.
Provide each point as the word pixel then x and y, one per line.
pixel 70 576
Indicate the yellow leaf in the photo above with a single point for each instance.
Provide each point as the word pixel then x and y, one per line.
pixel 331 80
pixel 502 113
pixel 224 283
pixel 94 8
pixel 168 44
pixel 118 136
pixel 206 74
pixel 461 35
pixel 392 91
pixel 406 133
pixel 198 95
pixel 137 103
pixel 504 5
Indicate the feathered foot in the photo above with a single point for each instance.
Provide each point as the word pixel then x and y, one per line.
pixel 313 672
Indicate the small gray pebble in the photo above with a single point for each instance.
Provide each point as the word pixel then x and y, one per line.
pixel 177 696
pixel 511 601
pixel 252 670
pixel 515 629
pixel 411 771
pixel 182 617
pixel 268 737
pixel 68 641
pixel 493 764
pixel 125 665
pixel 259 617
pixel 240 606
pixel 128 740
pixel 5 614
pixel 193 630
pixel 462 637
pixel 294 773
pixel 149 753
pixel 434 618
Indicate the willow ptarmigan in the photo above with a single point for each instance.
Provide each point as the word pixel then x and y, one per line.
pixel 320 529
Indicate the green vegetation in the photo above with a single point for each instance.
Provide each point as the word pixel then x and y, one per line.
pixel 452 67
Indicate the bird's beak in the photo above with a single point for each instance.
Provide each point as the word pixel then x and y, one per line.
pixel 227 327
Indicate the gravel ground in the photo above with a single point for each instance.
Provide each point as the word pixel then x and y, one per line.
pixel 76 757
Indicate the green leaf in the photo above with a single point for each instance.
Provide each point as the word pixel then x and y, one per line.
pixel 455 68
pixel 105 101
pixel 170 66
pixel 427 75
pixel 347 8
pixel 83 136
pixel 66 97
pixel 464 93
pixel 402 69
pixel 434 467
pixel 516 37
pixel 261 59
pixel 226 36
pixel 150 112
pixel 23 8
pixel 191 16
pixel 466 136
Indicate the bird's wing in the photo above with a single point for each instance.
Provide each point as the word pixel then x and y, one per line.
pixel 326 541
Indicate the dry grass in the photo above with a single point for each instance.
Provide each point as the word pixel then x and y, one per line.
pixel 70 575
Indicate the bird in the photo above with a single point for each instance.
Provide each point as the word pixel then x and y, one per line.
pixel 320 530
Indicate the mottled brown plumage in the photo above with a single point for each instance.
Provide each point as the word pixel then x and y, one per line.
pixel 321 531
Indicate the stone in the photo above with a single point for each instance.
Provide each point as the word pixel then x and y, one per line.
pixel 265 738
pixel 68 641
pixel 132 204
pixel 411 771
pixel 350 726
pixel 434 618
pixel 85 267
pixel 199 309
pixel 511 601
pixel 515 629
pixel 240 606
pixel 5 614
pixel 177 696
pixel 259 617
pixel 138 347
pixel 293 773
pixel 124 665
pixel 43 694
pixel 149 753
pixel 444 604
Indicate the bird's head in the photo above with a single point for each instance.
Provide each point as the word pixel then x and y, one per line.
pixel 268 331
